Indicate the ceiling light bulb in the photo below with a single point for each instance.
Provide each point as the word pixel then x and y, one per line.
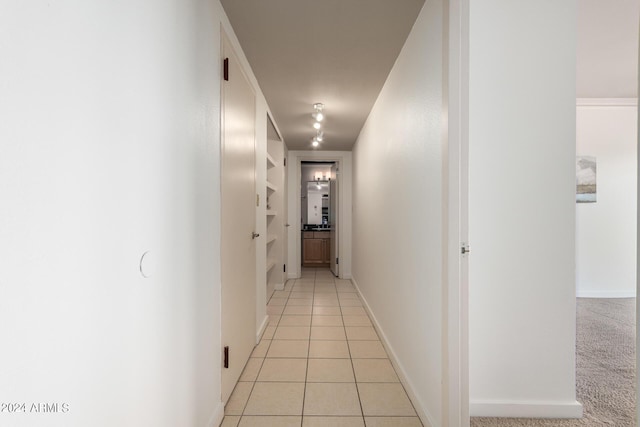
pixel 320 136
pixel 314 143
pixel 317 125
pixel 318 107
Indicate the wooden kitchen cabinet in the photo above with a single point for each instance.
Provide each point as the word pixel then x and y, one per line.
pixel 313 251
pixel 326 255
pixel 316 249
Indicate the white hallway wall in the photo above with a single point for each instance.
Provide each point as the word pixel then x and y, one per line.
pixel 522 208
pixel 110 148
pixel 398 212
pixel 606 230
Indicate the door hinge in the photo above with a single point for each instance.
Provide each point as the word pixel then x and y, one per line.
pixel 285 161
pixel 284 268
pixel 226 357
pixel 464 248
pixel 257 200
pixel 225 69
pixel 337 260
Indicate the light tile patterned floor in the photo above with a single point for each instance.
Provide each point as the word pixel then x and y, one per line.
pixel 320 363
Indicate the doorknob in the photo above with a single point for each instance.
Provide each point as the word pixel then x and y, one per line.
pixel 254 235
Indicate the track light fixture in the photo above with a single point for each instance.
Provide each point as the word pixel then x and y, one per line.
pixel 318 115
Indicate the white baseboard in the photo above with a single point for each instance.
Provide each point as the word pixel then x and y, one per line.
pixel 525 409
pixel 606 294
pixel 424 415
pixel 607 102
pixel 263 326
pixel 279 287
pixel 217 416
pixel 292 276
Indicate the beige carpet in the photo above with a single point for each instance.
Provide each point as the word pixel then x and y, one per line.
pixel 605 368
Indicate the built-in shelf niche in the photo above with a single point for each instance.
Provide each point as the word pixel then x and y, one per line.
pixel 270 161
pixel 275 210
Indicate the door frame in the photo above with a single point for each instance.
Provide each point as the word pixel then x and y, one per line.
pixel 638 252
pixel 343 160
pixel 456 140
pixel 334 205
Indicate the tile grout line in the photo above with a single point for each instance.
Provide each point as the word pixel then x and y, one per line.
pixel 306 373
pixel 253 384
pixel 261 364
pixel 355 379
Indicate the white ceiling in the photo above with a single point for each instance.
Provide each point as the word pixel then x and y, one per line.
pixel 339 52
pixel 607 48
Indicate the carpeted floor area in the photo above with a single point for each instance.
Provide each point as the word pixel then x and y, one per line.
pixel 605 368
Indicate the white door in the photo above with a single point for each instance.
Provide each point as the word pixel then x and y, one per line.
pixel 238 251
pixel 333 215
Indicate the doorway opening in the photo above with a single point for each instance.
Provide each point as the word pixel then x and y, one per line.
pixel 606 210
pixel 338 166
pixel 606 176
pixel 319 215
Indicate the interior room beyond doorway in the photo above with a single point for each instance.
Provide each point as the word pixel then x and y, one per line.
pixel 318 215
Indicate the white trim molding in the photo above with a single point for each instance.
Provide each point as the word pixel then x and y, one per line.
pixel 525 409
pixel 262 328
pixel 455 388
pixel 217 416
pixel 606 294
pixel 607 102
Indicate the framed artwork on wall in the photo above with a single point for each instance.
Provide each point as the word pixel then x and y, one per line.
pixel 585 179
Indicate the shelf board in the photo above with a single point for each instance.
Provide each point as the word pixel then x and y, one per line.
pixel 271 163
pixel 271 213
pixel 271 239
pixel 270 265
pixel 271 187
